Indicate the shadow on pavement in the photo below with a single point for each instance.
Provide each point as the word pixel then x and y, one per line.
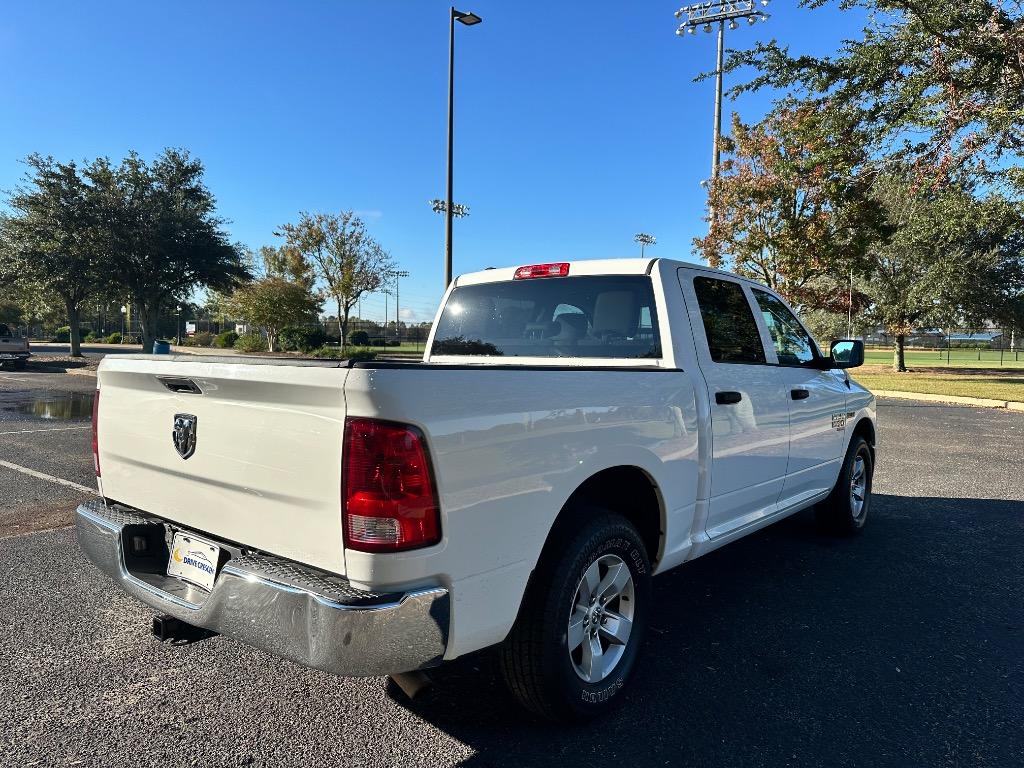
pixel 902 646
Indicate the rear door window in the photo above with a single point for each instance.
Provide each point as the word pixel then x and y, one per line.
pixel 599 316
pixel 729 324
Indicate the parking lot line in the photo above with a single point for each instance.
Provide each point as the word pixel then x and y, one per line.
pixel 51 478
pixel 51 429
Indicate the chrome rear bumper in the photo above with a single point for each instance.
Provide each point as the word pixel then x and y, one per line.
pixel 299 613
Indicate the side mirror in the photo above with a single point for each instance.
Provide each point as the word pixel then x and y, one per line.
pixel 847 353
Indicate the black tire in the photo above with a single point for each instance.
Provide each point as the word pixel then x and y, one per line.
pixel 839 512
pixel 535 661
pixel 20 363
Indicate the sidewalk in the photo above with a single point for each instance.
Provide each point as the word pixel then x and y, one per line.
pixel 980 402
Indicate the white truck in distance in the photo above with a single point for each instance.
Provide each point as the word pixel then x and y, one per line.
pixel 572 430
pixel 14 350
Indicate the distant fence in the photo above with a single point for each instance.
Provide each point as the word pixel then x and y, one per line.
pixel 956 346
pixel 405 337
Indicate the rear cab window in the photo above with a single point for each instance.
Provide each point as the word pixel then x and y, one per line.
pixel 601 316
pixel 729 325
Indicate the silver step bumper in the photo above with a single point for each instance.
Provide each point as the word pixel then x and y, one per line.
pixel 298 613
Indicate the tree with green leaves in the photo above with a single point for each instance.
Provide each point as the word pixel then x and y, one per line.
pixel 287 262
pixel 52 239
pixel 11 313
pixel 344 259
pixel 792 207
pixel 938 86
pixel 272 303
pixel 1010 315
pixel 163 233
pixel 948 255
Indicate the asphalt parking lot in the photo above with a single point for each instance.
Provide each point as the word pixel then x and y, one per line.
pixel 901 647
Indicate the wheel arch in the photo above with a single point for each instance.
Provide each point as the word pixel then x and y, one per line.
pixel 865 428
pixel 627 490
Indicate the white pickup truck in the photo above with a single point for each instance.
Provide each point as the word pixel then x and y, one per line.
pixel 14 349
pixel 572 430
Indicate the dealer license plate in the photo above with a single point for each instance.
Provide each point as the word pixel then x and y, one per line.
pixel 193 559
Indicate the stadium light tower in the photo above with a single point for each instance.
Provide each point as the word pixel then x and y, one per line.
pixel 398 274
pixel 644 239
pixel 706 15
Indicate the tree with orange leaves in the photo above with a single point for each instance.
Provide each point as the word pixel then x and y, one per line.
pixel 791 207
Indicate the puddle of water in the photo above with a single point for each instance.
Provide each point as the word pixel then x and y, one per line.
pixel 67 408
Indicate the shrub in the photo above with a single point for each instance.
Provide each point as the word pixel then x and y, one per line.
pixel 302 339
pixel 360 353
pixel 225 340
pixel 64 333
pixel 333 353
pixel 352 353
pixel 359 338
pixel 91 337
pixel 201 339
pixel 251 342
pixel 114 338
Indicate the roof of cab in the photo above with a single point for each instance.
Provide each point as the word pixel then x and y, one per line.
pixel 631 266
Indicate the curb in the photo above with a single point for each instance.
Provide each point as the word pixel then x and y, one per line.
pixel 980 402
pixel 80 372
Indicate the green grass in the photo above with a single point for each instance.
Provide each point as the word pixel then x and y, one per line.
pixel 407 347
pixel 958 358
pixel 995 384
pixel 410 346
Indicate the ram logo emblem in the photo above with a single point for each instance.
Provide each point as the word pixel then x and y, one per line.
pixel 184 434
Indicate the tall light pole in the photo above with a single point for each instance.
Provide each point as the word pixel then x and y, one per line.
pixel 398 274
pixel 178 325
pixel 705 15
pixel 644 239
pixel 469 19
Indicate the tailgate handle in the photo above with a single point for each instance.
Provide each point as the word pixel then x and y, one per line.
pixel 177 384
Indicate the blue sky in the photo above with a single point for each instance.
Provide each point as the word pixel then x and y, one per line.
pixel 577 124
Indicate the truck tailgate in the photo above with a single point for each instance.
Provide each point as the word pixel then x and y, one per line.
pixel 266 466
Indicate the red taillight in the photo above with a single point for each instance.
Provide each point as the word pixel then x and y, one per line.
pixel 96 432
pixel 389 502
pixel 561 269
